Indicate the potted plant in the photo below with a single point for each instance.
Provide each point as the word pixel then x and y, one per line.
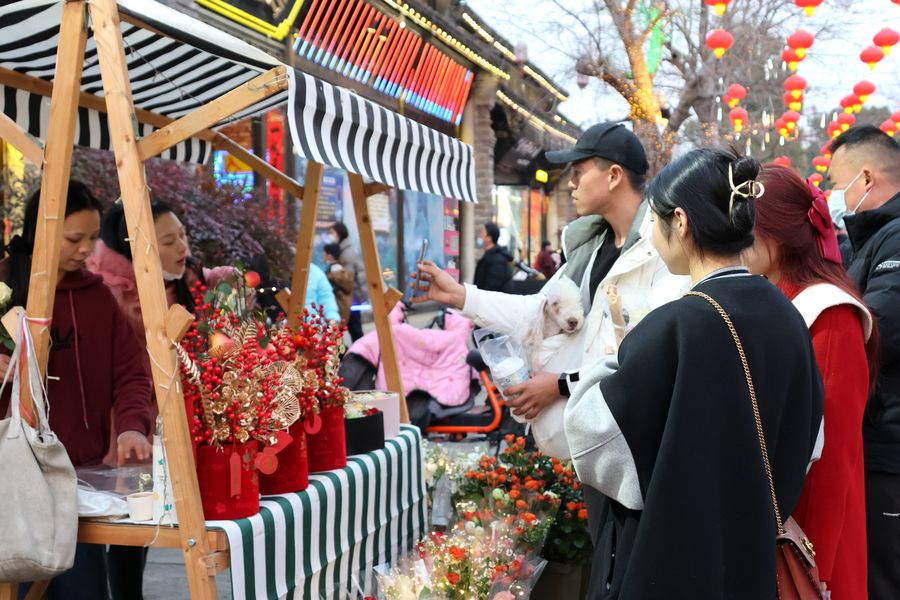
pixel 241 391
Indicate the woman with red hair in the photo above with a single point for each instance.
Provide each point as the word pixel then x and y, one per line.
pixel 796 248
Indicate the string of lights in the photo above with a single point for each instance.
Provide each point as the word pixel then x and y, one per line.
pixel 536 121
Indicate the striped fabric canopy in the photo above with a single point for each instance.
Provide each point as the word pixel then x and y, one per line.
pixel 194 63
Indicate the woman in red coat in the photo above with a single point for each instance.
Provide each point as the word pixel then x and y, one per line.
pixel 796 249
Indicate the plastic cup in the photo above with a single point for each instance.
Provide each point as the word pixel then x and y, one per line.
pixel 509 372
pixel 140 506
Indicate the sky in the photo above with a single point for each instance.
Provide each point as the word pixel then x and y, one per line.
pixel 832 68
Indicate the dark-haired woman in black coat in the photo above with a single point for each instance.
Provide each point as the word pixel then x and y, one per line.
pixel 666 440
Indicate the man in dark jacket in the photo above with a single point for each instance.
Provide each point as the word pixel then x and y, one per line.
pixel 494 270
pixel 865 170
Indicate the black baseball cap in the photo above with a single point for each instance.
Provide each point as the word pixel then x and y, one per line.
pixel 612 141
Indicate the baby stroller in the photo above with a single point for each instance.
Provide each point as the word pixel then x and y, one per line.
pixel 442 378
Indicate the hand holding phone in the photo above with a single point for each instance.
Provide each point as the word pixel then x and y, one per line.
pixel 415 287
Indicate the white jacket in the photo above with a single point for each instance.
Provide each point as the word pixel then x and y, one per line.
pixel 643 283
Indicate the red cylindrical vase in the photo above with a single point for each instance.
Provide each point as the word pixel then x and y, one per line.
pixel 292 473
pixel 327 449
pixel 229 486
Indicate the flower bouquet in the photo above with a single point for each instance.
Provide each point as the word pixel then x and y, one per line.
pixel 243 389
pixel 319 344
pixel 518 471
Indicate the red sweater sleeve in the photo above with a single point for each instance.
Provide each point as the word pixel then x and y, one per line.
pixel 841 357
pixel 132 384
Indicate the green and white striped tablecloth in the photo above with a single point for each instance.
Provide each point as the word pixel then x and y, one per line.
pixel 310 544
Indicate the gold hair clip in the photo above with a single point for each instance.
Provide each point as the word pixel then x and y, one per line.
pixel 750 189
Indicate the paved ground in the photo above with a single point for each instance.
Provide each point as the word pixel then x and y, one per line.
pixel 165 578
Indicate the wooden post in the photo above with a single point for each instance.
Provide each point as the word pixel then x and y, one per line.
pixel 376 290
pixel 55 180
pixel 148 272
pixel 305 239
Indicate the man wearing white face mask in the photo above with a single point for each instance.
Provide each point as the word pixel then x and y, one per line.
pixel 865 174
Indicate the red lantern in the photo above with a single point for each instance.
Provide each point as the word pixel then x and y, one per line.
pixel 795 85
pixel 719 41
pixel 850 102
pixel 781 126
pixel 815 179
pixel 825 150
pixel 791 118
pixel 889 127
pixel 738 118
pixel 808 6
pixel 735 94
pixel 864 89
pixel 821 163
pixel 834 129
pixel 782 161
pixel 801 41
pixel 789 56
pixel 886 39
pixel 719 5
pixel 845 120
pixel 792 103
pixel 896 117
pixel 872 55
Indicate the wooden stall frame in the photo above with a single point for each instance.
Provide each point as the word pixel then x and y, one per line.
pixel 205 551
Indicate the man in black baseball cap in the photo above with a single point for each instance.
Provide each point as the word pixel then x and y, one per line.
pixel 612 141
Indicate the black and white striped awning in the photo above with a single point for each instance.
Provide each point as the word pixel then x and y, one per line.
pixel 192 63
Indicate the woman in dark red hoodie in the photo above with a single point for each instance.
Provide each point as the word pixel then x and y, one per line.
pixel 95 364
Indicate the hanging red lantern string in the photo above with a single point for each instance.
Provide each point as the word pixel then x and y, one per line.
pixel 736 92
pixel 896 117
pixel 719 5
pixel 889 127
pixel 801 41
pixel 719 41
pixel 872 55
pixel 825 150
pixel 808 6
pixel 781 127
pixel 864 89
pixel 815 179
pixel 886 39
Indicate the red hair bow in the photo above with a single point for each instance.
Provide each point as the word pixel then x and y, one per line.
pixel 826 237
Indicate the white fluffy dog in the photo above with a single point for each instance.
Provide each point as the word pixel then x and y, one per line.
pixel 561 313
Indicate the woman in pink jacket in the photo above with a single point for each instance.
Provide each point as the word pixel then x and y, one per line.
pixel 112 260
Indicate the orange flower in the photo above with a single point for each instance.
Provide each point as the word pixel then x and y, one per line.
pixel 572 506
pixel 509 439
pixel 582 514
pixel 521 505
pixel 457 552
pixel 453 578
pixel 558 468
pixel 533 485
pixel 513 494
pixel 529 517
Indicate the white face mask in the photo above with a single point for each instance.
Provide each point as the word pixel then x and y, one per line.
pixel 838 197
pixel 838 208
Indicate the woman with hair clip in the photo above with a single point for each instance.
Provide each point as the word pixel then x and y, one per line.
pixel 665 437
pixel 797 249
pixel 97 365
pixel 181 271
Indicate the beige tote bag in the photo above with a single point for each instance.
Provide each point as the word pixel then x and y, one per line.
pixel 38 506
